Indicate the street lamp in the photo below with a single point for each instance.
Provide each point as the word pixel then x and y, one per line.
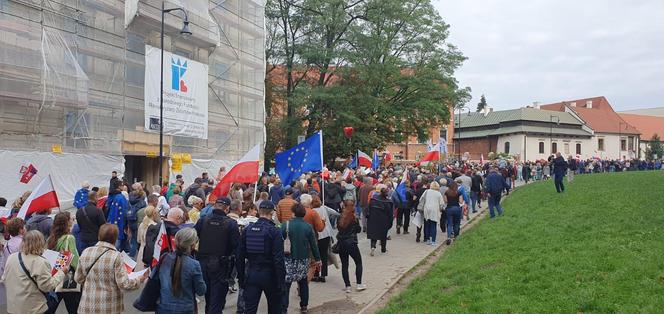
pixel 185 31
pixel 459 133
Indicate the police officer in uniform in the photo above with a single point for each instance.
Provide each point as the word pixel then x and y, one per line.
pixel 264 270
pixel 219 236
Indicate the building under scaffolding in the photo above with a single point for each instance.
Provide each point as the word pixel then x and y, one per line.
pixel 72 86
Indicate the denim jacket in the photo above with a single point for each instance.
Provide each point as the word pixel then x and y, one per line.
pixel 191 280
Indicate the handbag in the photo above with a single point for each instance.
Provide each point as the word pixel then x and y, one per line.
pixel 287 242
pixel 52 300
pixel 68 283
pixel 335 247
pixel 149 298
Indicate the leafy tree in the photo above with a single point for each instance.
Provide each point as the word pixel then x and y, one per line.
pixel 655 147
pixel 383 67
pixel 482 104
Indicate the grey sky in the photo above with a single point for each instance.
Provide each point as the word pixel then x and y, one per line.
pixel 548 50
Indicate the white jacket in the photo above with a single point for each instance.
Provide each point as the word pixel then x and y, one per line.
pixel 325 212
pixel 433 203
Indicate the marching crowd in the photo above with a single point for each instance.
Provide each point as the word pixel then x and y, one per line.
pixel 262 238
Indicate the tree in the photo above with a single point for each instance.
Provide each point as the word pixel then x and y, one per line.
pixel 382 66
pixel 655 147
pixel 482 104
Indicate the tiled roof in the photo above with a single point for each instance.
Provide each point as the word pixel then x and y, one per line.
pixel 475 119
pixel 600 116
pixel 463 134
pixel 647 125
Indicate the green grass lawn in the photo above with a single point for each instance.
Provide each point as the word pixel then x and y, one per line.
pixel 597 248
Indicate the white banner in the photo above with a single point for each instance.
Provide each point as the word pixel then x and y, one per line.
pixel 185 94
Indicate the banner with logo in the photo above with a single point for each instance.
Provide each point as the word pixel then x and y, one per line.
pixel 185 94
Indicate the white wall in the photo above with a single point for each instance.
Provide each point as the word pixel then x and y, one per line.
pixel 612 146
pixel 532 146
pixel 516 144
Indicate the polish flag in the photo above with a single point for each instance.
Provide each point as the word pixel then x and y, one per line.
pixel 347 173
pixel 482 159
pixel 245 171
pixel 388 156
pixel 364 160
pixel 432 155
pixel 162 239
pixel 41 198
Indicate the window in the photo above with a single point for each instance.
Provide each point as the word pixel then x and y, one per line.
pixel 623 144
pixel 600 144
pixel 566 148
pixel 554 148
pixel 507 147
pixel 443 133
pixel 631 143
pixel 541 147
pixel 578 148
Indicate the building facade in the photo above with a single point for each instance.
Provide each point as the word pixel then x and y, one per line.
pixel 72 79
pixel 648 126
pixel 524 133
pixel 614 137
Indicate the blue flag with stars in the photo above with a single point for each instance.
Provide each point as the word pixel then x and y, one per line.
pixel 304 157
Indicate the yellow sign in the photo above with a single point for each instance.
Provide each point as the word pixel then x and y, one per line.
pixel 186 158
pixel 57 149
pixel 151 154
pixel 176 163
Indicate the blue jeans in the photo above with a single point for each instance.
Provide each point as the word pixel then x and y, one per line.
pixel 133 243
pixel 453 221
pixel 494 201
pixel 474 197
pixel 430 230
pixel 304 294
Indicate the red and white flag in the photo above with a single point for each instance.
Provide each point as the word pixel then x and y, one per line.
pixel 244 171
pixel 363 159
pixel 160 245
pixel 432 155
pixel 347 173
pixel 41 198
pixel 388 156
pixel 482 159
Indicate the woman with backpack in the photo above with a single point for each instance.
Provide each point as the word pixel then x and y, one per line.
pixel 62 241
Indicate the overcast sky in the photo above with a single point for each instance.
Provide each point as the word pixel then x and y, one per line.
pixel 547 50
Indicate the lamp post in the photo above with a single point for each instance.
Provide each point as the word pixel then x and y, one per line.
pixel 185 31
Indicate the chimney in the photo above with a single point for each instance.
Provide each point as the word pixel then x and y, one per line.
pixel 589 104
pixel 486 110
pixel 536 104
pixel 573 104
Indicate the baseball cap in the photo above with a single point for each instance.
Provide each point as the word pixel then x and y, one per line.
pixel 266 205
pixel 223 201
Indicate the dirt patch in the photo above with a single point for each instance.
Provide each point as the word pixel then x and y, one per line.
pixel 492 265
pixel 337 307
pixel 449 289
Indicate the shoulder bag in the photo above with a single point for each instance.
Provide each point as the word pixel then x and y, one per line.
pixel 51 298
pixel 68 284
pixel 423 201
pixel 287 242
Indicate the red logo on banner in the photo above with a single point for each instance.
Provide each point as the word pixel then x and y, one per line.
pixel 28 172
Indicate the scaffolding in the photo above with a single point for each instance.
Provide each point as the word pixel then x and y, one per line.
pixel 72 75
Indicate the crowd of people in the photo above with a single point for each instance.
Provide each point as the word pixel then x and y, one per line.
pixel 261 238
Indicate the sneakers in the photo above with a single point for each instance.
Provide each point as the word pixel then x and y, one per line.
pixel 348 289
pixel 373 251
pixel 405 231
pixel 303 309
pixel 360 287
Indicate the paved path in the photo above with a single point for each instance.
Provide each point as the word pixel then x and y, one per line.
pixel 380 273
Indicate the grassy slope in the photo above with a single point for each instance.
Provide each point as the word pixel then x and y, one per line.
pixel 597 248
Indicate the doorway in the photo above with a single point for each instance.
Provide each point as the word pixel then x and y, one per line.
pixel 142 169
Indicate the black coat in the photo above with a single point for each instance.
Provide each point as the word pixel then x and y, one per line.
pixel 379 218
pixel 89 219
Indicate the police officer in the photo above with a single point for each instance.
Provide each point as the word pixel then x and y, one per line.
pixel 219 236
pixel 263 248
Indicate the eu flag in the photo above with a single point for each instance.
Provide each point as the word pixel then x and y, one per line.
pixel 304 157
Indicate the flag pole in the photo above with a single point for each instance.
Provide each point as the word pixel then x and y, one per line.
pixel 322 188
pixel 253 201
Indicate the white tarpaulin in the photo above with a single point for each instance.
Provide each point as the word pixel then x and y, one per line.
pixel 197 167
pixel 68 171
pixel 185 94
